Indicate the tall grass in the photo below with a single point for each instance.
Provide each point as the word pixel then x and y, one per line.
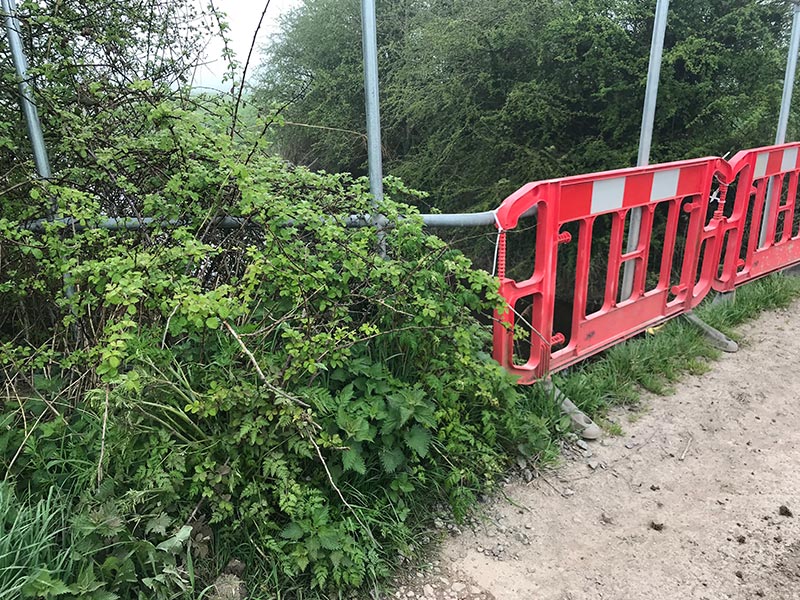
pixel 32 549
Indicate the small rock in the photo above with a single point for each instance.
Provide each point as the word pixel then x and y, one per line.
pixel 588 454
pixel 739 574
pixel 458 587
pixel 593 464
pixel 630 445
pixel 582 445
pixel 528 526
pixel 784 511
pixel 527 475
pixel 427 589
pixel 656 526
pixel 741 539
pixel 569 492
pixel 410 594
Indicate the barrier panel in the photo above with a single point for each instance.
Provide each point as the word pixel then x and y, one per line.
pixel 684 275
pixel 769 172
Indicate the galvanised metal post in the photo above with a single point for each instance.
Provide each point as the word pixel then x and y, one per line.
pixel 646 134
pixel 25 90
pixel 31 114
pixel 786 104
pixel 369 42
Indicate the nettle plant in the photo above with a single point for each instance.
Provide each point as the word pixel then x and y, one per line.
pixel 280 388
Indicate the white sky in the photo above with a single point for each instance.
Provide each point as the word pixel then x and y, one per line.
pixel 243 18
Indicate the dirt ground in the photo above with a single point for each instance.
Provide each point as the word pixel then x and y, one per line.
pixel 699 499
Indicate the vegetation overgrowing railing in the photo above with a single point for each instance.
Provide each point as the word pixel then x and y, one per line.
pixel 205 364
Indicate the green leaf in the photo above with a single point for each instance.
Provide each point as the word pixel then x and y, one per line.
pixel 301 562
pixel 418 439
pixel 392 459
pixel 352 459
pixel 87 581
pixel 175 544
pixel 292 531
pixel 158 524
pixel 212 323
pixel 329 538
pixel 42 585
pixel 336 558
pixel 103 595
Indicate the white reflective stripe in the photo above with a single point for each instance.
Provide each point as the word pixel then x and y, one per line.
pixel 761 165
pixel 607 194
pixel 789 162
pixel 665 185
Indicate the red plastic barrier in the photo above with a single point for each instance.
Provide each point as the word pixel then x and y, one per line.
pixel 684 185
pixel 772 169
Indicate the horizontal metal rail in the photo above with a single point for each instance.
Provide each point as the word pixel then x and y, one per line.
pixel 134 224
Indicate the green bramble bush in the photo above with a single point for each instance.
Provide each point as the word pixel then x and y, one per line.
pixel 179 393
pixel 278 392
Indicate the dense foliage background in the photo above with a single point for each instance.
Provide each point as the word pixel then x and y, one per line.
pixel 478 97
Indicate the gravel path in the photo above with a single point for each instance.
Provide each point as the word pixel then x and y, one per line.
pixel 697 499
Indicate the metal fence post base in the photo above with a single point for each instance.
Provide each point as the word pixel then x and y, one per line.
pixel 581 424
pixel 717 339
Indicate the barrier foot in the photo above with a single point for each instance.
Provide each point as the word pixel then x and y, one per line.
pixel 581 424
pixel 793 271
pixel 717 338
pixel 724 297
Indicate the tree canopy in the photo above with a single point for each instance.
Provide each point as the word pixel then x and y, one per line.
pixel 480 97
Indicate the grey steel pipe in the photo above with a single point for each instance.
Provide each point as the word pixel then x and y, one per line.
pixel 134 224
pixel 25 89
pixel 469 219
pixel 786 105
pixel 369 43
pixel 460 220
pixel 646 133
pixel 788 80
